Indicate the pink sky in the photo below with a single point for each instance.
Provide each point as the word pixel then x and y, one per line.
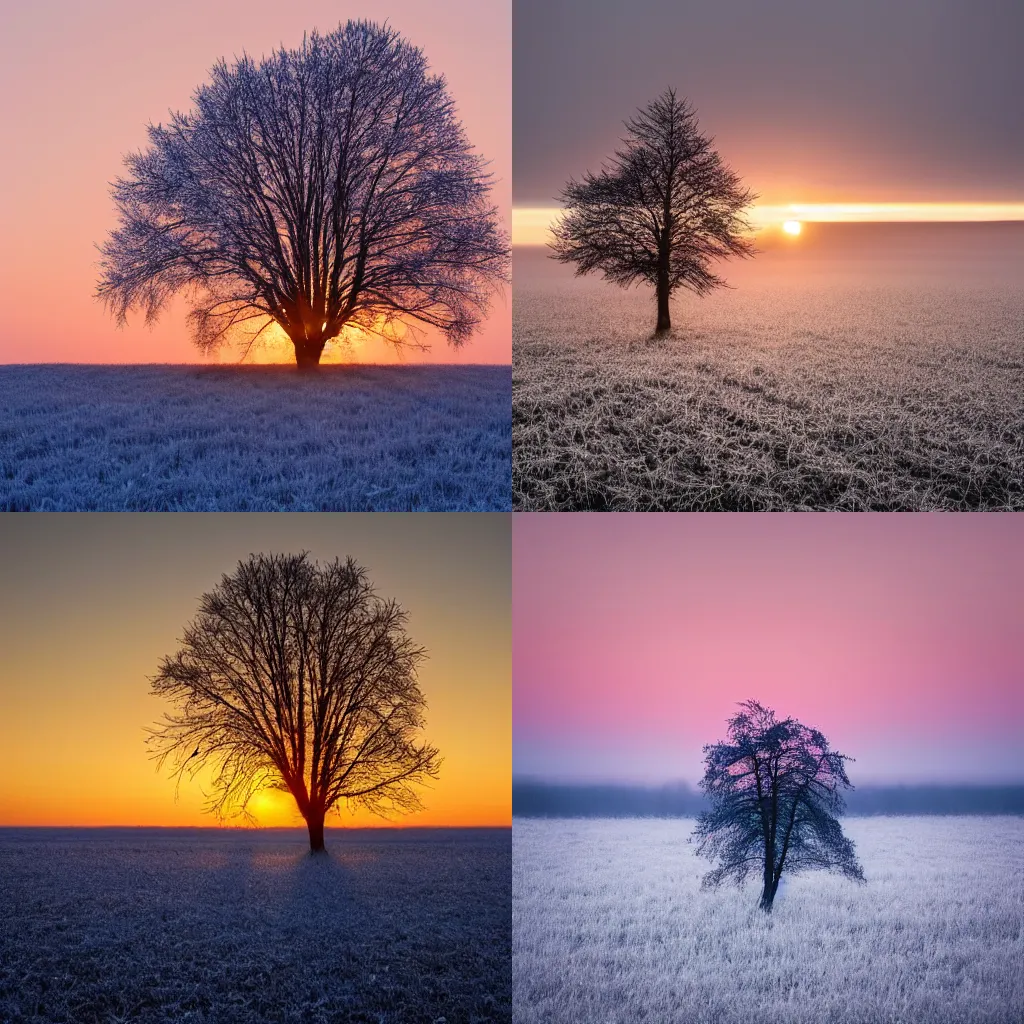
pixel 900 636
pixel 80 81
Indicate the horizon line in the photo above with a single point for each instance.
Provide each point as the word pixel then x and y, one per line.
pixel 633 784
pixel 266 828
pixel 257 366
pixel 531 225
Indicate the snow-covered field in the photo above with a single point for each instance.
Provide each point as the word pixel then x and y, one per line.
pixel 143 438
pixel 609 925
pixel 245 927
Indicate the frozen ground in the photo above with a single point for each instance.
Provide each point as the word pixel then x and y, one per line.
pixel 832 397
pixel 244 927
pixel 609 925
pixel 144 438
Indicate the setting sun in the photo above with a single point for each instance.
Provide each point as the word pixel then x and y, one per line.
pixel 791 227
pixel 274 808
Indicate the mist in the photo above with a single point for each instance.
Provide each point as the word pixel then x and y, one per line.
pixel 534 798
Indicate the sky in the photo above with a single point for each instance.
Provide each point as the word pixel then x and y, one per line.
pixel 90 604
pixel 811 101
pixel 635 635
pixel 80 83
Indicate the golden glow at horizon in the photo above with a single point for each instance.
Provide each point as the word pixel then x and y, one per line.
pixel 532 225
pixel 274 346
pixel 107 779
pixel 96 770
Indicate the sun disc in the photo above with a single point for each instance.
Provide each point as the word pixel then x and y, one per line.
pixel 791 227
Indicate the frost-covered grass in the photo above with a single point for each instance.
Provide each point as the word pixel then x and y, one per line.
pixel 845 398
pixel 142 438
pixel 240 927
pixel 609 925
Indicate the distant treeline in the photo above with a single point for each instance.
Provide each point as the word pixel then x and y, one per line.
pixel 533 799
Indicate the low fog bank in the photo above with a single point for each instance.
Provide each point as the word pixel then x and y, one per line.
pixel 533 798
pixel 882 255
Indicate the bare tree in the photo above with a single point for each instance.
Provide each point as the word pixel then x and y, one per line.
pixel 297 676
pixel 319 188
pixel 663 210
pixel 774 789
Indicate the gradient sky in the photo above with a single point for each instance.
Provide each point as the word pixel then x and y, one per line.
pixel 810 100
pixel 899 636
pixel 89 604
pixel 80 82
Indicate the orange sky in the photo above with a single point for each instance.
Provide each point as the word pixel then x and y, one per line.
pixel 81 81
pixel 90 603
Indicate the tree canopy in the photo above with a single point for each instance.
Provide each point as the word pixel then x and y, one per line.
pixel 298 677
pixel 775 790
pixel 322 188
pixel 663 211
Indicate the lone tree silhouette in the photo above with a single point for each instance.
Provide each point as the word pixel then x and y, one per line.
pixel 774 793
pixel 297 676
pixel 319 188
pixel 661 212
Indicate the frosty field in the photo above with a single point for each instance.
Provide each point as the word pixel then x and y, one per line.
pixel 609 925
pixel 848 399
pixel 178 438
pixel 108 925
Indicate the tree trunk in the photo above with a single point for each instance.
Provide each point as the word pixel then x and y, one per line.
pixel 664 320
pixel 664 262
pixel 315 821
pixel 768 891
pixel 307 353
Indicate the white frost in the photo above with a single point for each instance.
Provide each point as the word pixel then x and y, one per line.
pixel 180 438
pixel 609 924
